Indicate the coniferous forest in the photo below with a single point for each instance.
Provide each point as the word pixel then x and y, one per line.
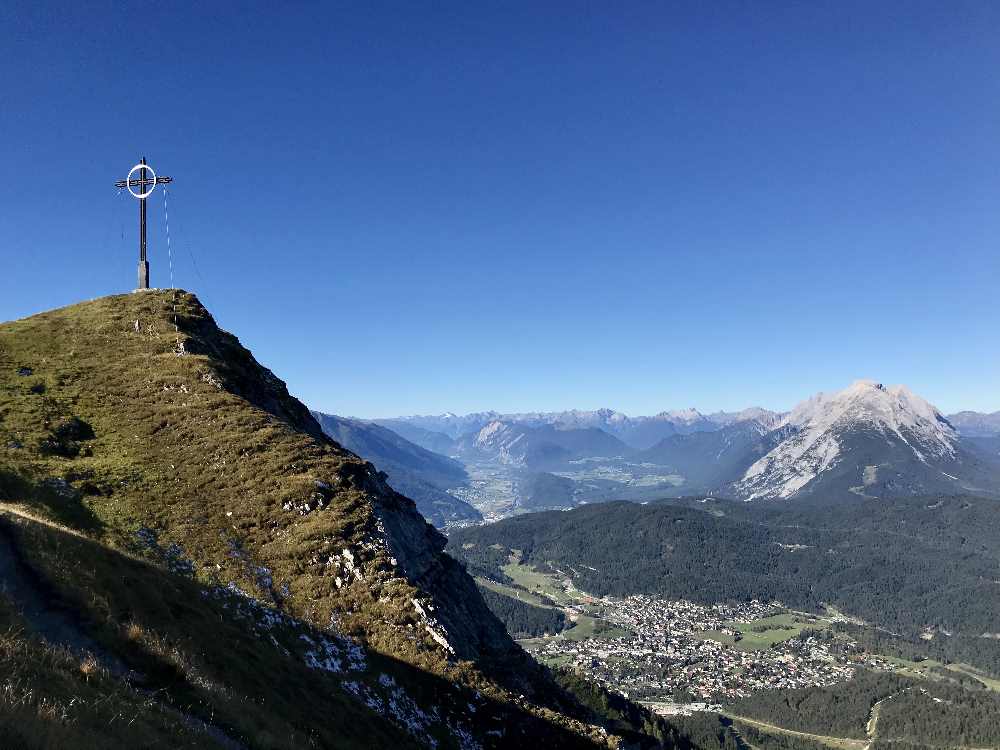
pixel 523 620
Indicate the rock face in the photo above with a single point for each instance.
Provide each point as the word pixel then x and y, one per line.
pixel 868 439
pixel 541 447
pixel 189 437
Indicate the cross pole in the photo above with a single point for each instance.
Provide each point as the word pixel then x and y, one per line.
pixel 143 182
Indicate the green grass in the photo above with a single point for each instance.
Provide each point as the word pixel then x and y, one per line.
pixel 715 635
pixel 194 657
pixel 592 627
pixel 535 581
pixel 779 628
pixel 990 682
pixel 47 701
pixel 558 660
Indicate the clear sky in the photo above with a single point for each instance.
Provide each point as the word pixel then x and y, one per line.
pixel 527 206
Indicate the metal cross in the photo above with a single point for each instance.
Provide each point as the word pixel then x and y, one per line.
pixel 143 182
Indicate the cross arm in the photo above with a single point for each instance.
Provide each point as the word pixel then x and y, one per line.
pixel 143 183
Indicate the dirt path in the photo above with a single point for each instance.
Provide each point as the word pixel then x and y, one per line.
pixel 38 606
pixel 871 728
pixel 872 725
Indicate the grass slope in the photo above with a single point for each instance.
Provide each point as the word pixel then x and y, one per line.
pixel 192 666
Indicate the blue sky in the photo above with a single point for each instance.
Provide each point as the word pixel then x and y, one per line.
pixel 528 206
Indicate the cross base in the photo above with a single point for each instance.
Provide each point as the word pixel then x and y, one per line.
pixel 143 274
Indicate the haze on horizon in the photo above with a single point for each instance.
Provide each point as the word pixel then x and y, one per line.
pixel 524 208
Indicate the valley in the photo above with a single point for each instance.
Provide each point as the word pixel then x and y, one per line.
pixel 674 653
pixel 730 662
pixel 542 376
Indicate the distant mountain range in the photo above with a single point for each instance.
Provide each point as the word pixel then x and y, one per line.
pixel 439 432
pixel 638 432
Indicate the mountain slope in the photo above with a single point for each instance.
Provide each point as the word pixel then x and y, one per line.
pixel 136 421
pixel 868 439
pixel 769 419
pixel 710 459
pixel 76 615
pixel 542 490
pixel 542 447
pixel 436 442
pixel 452 426
pixel 420 474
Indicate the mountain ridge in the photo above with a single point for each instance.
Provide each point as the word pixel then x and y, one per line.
pixel 970 423
pixel 639 432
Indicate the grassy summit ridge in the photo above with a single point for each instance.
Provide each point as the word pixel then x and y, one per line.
pixel 135 421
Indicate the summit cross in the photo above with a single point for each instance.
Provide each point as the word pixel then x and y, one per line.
pixel 143 182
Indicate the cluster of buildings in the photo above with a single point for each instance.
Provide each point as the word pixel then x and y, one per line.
pixel 490 491
pixel 674 652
